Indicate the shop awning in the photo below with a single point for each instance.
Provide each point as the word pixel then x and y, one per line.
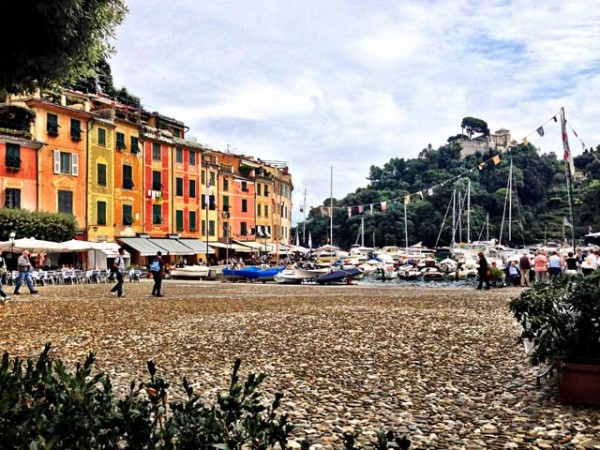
pixel 144 246
pixel 197 245
pixel 231 246
pixel 111 249
pixel 172 246
pixel 252 244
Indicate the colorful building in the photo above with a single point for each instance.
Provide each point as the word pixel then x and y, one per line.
pixel 127 174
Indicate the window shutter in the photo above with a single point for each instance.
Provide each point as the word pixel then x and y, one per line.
pixel 75 164
pixel 56 161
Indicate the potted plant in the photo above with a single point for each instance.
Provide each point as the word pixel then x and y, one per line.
pixel 561 324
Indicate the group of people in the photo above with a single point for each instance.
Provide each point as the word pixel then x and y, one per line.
pixel 543 266
pixel 158 269
pixel 24 268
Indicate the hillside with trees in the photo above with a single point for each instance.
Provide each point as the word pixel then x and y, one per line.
pixel 538 198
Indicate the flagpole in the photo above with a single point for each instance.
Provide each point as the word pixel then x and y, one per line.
pixel 568 157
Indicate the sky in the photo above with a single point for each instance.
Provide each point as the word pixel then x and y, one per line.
pixel 335 87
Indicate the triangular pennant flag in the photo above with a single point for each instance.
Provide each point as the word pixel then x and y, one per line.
pixel 420 194
pixel 567 223
pixel 407 199
pixel 349 211
pixel 383 206
pixel 430 192
pixel 496 159
pixel 554 118
pixel 480 167
pixel 371 208
pixel 525 141
pixel 360 209
pixel 540 131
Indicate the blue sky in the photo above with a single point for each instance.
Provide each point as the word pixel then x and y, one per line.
pixel 351 84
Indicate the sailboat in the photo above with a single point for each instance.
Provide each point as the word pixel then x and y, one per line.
pixel 357 250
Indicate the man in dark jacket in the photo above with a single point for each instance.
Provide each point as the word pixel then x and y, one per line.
pixel 525 268
pixel 158 274
pixel 483 271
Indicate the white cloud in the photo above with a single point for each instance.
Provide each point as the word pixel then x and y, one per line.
pixel 352 84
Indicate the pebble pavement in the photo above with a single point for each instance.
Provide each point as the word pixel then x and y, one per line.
pixel 441 365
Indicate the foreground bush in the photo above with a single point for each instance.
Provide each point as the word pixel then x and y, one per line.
pixel 42 406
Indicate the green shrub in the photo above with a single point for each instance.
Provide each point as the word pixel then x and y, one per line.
pixel 561 318
pixel 42 406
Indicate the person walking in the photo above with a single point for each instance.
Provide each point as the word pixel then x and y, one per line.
pixel 482 270
pixel 118 269
pixel 24 268
pixel 157 268
pixel 3 294
pixel 525 268
pixel 540 266
pixel 3 269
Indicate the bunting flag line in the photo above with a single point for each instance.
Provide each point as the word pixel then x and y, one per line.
pixel 577 136
pixel 496 159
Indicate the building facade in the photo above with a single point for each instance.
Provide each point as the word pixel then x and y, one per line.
pixel 123 172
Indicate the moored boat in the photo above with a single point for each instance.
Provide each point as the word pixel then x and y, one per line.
pixel 340 276
pixel 191 272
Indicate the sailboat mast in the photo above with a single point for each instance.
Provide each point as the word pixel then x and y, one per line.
pixel 331 208
pixel 459 216
pixel 304 221
pixel 469 210
pixel 510 178
pixel 362 230
pixel 405 227
pixel 453 217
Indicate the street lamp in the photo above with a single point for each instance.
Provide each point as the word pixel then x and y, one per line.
pixel 11 238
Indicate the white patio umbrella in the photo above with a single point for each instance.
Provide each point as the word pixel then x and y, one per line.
pixel 33 245
pixel 76 245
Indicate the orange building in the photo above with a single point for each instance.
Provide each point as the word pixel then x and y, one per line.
pixel 18 172
pixel 124 173
pixel 186 192
pixel 61 123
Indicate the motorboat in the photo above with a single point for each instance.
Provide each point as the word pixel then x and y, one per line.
pixel 252 273
pixel 408 272
pixel 192 272
pixel 340 276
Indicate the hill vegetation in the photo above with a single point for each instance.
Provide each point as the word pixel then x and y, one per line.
pixel 539 199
